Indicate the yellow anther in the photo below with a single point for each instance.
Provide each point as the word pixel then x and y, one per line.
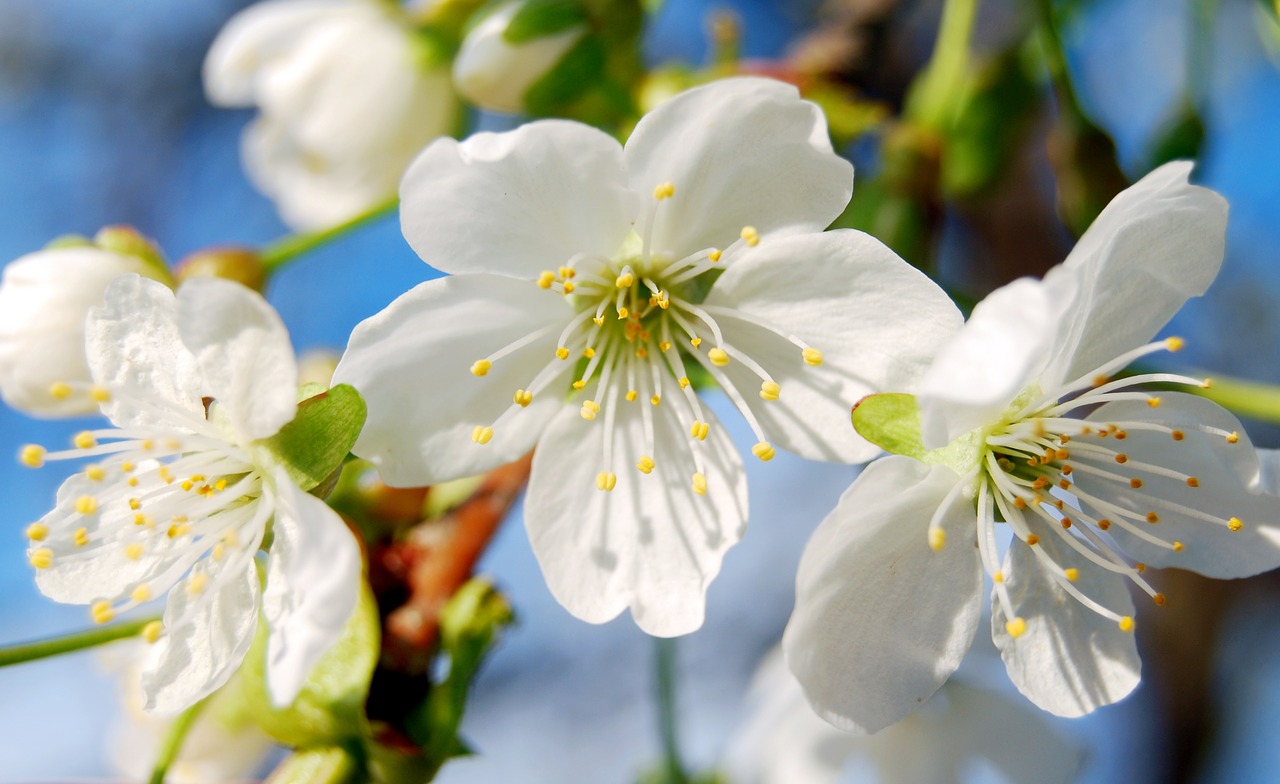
pixel 718 356
pixel 95 473
pixel 1033 540
pixel 219 550
pixel 764 450
pixel 481 434
pixel 624 281
pixel 1177 435
pixel 176 530
pixel 599 320
pixel 220 485
pixel 186 485
pixel 81 537
pixel 656 399
pixel 1104 524
pixel 546 279
pixel 937 539
pixel 133 551
pixel 588 352
pixel 579 384
pixel 769 390
pixel 101 612
pixel 141 594
pixel 623 313
pixel 165 474
pixel 1193 482
pixel 664 190
pixel 100 394
pixel 148 445
pixel 1122 458
pixel 562 353
pixel 1233 437
pixel 86 504
pixel 37 532
pixel 568 287
pixel 1159 599
pixel 152 631
pixel 632 395
pixel 522 397
pixel 642 352
pixel 567 272
pixel 699 430
pixel 41 558
pixel 1072 574
pixel 1174 344
pixel 812 356
pixel 1126 624
pixel 714 255
pixel 196 583
pixel 84 440
pixel 1234 524
pixel 1154 402
pixel 1154 518
pixel 998 577
pixel 1135 483
pixel 606 480
pixel 750 236
pixel 1016 628
pixel 700 484
pixel 143 519
pixel 60 390
pixel 695 342
pixel 1206 384
pixel 684 382
pixel 645 465
pixel 32 456
pixel 1177 547
pixel 664 346
pixel 481 367
pixel 588 412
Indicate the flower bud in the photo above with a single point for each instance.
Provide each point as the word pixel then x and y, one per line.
pixel 44 299
pixel 243 265
pixel 514 48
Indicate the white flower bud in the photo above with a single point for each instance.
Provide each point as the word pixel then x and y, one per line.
pixel 494 73
pixel 44 298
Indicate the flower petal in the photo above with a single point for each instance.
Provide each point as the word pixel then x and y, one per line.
pixel 877 320
pixel 881 620
pixel 313 579
pixel 411 363
pixel 134 349
pixel 1070 660
pixel 995 356
pixel 740 152
pixel 243 351
pixel 1269 471
pixel 651 544
pixel 1226 476
pixel 1157 244
pixel 207 636
pixel 519 202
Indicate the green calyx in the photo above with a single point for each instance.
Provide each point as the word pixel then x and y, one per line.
pixel 314 445
pixel 891 421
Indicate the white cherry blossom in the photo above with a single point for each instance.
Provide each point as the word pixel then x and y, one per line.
pixel 181 493
pixel 591 284
pixel 1094 478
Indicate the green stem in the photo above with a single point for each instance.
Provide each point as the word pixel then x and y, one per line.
pixel 936 93
pixel 665 661
pixel 1246 398
pixel 54 646
pixel 1055 60
pixel 284 250
pixel 173 742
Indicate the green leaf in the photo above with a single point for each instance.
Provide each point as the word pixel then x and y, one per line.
pixel 891 421
pixel 469 626
pixel 541 18
pixel 579 69
pixel 330 708
pixel 993 116
pixel 315 443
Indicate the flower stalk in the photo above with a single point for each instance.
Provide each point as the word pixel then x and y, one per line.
pixel 279 253
pixel 173 742
pixel 70 643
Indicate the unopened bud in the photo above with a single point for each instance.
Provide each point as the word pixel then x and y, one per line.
pixel 243 265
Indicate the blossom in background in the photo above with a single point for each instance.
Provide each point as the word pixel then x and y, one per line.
pixel 495 73
pixel 591 284
pixel 1096 479
pixel 783 741
pixel 44 298
pixel 346 98
pixel 182 490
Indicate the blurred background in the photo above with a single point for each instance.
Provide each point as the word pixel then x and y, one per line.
pixel 103 120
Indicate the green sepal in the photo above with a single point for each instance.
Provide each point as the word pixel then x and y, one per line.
pixel 330 708
pixel 891 421
pixel 68 241
pixel 321 765
pixel 469 626
pixel 541 18
pixel 315 443
pixel 579 69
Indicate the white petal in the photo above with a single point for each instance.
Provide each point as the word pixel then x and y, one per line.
pixel 255 38
pixel 999 351
pixel 881 620
pixel 494 73
pixel 877 320
pixel 412 361
pixel 243 351
pixel 1157 244
pixel 518 202
pixel 44 298
pixel 740 152
pixel 1070 660
pixel 1226 474
pixel 651 544
pixel 134 349
pixel 207 636
pixel 313 580
pixel 1269 471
